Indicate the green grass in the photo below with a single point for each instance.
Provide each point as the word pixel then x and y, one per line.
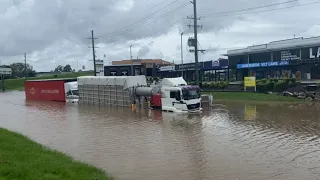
pixel 21 158
pixel 248 96
pixel 18 84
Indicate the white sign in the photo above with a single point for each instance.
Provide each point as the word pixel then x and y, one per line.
pixel 6 71
pixel 215 63
pixel 99 62
pixel 99 68
pixel 287 56
pixel 167 68
pixel 312 55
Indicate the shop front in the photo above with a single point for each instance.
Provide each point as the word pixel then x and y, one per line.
pixel 300 63
pixel 215 70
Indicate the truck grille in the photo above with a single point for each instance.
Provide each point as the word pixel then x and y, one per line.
pixel 194 106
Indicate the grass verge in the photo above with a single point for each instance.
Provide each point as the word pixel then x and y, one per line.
pixel 18 84
pixel 21 158
pixel 248 96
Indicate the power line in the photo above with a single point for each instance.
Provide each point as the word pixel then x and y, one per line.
pixel 143 19
pixel 149 22
pixel 154 6
pixel 252 8
pixel 288 7
pixel 155 32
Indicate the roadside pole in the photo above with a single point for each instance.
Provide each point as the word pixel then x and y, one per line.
pixel 2 79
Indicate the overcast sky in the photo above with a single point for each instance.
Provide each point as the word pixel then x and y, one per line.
pixel 54 32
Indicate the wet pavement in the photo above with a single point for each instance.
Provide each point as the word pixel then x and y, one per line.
pixel 230 141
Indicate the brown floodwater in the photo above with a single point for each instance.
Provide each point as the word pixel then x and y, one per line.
pixel 229 141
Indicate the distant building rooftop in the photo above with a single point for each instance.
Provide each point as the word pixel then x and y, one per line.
pixel 141 61
pixel 277 45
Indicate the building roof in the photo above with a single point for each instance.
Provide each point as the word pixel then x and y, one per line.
pixel 141 61
pixel 277 45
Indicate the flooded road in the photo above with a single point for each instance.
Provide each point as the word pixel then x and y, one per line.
pixel 231 141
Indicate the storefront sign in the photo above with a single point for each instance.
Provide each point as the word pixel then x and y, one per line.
pixel 189 66
pixel 312 54
pixel 263 64
pixel 215 64
pixel 167 68
pixel 149 65
pixel 287 55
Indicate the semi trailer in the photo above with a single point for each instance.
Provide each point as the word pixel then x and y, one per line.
pixel 172 94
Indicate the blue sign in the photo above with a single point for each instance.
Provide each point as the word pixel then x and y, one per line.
pixel 263 64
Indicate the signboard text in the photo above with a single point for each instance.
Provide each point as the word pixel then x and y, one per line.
pixel 262 64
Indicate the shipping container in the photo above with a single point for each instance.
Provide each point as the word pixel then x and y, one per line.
pixel 47 89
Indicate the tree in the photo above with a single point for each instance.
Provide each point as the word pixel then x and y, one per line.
pixel 67 68
pixel 18 70
pixel 58 69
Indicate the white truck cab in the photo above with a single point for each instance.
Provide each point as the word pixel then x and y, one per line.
pixel 71 90
pixel 177 96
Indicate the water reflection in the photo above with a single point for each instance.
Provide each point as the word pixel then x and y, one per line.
pixel 230 141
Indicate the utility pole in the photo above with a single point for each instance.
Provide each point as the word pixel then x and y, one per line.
pixel 181 55
pixel 93 52
pixel 195 40
pixel 131 61
pixel 25 65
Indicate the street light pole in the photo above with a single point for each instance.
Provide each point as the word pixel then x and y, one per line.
pixel 181 55
pixel 131 61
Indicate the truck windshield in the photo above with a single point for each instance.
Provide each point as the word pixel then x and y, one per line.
pixel 75 92
pixel 189 94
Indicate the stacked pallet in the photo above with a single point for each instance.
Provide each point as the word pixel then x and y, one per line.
pixel 109 90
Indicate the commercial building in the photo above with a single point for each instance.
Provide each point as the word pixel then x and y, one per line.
pixel 146 67
pixel 213 70
pixel 291 58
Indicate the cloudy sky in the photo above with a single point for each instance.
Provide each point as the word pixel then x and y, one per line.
pixel 55 32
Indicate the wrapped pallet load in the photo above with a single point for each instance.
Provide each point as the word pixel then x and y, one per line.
pixel 109 90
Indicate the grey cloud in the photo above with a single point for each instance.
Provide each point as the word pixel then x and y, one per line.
pixel 43 26
pixel 35 25
pixel 143 51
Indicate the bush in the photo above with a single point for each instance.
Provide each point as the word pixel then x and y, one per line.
pixel 275 85
pixel 279 86
pixel 215 85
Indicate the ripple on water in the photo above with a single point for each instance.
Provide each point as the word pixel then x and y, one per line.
pixel 226 142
